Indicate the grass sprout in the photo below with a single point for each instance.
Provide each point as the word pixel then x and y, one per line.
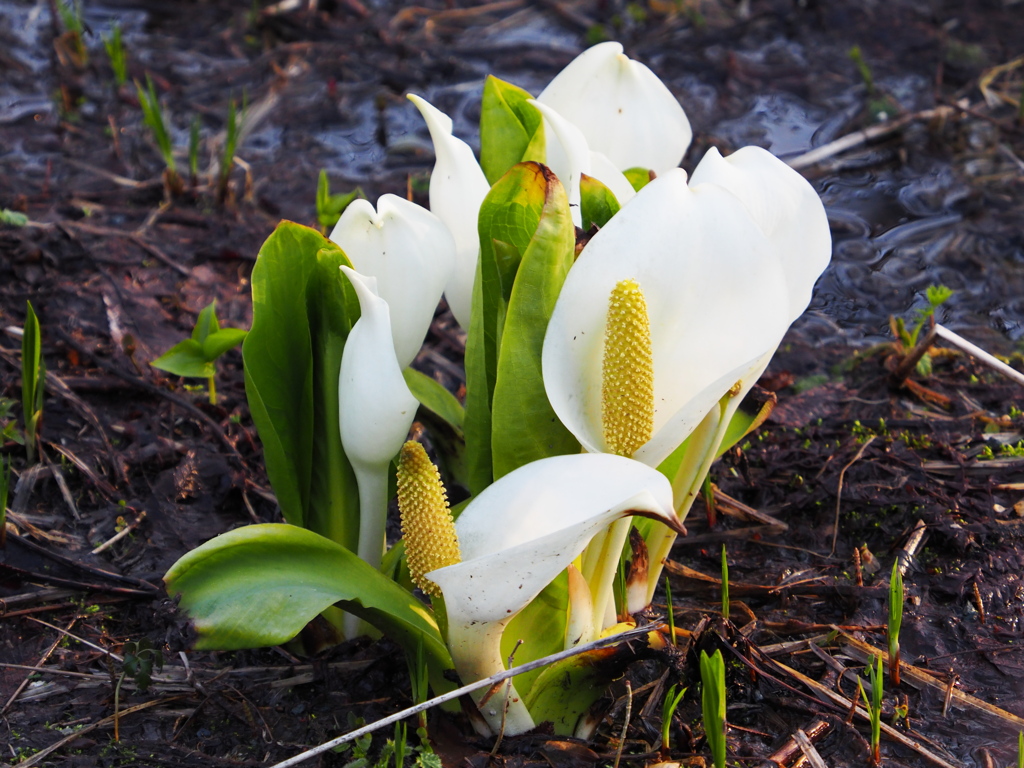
pixel 895 621
pixel 668 709
pixel 114 47
pixel 72 42
pixel 874 707
pixel 153 117
pixel 712 699
pixel 671 611
pixel 330 207
pixel 33 378
pixel 193 149
pixel 227 161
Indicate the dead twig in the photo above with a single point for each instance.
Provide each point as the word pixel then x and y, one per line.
pixel 839 492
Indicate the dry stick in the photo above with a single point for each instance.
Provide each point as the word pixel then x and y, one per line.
pixel 809 750
pixel 858 138
pixel 121 534
pixel 839 491
pixel 625 723
pixel 451 695
pixel 42 661
pixel 913 544
pixel 976 351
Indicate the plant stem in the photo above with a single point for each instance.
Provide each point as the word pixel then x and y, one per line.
pixel 211 385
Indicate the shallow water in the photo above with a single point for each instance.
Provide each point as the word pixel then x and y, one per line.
pixel 905 214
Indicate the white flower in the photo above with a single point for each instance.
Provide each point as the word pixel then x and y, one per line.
pixel 457 188
pixel 410 252
pixel 623 110
pixel 376 411
pixel 520 533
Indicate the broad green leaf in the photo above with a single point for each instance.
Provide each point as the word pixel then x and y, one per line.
pixel 186 358
pixel 434 397
pixel 511 131
pixel 302 312
pixel 261 584
pixel 524 426
pixel 219 342
pixel 206 323
pixel 509 216
pixel 597 203
pixel 638 177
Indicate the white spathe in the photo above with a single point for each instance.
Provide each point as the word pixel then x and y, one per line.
pixel 376 410
pixel 520 533
pixel 717 298
pixel 625 112
pixel 785 207
pixel 410 252
pixel 569 156
pixel 457 188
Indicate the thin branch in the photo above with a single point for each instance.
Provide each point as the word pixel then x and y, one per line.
pixel 451 695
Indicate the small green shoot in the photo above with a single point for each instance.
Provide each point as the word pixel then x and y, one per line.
pixel 419 681
pixel 9 423
pixel 227 160
pixel 33 378
pixel 1020 735
pixel 874 707
pixel 139 660
pixel 712 678
pixel 668 710
pixel 153 117
pixel 193 150
pixel 936 296
pixel 5 487
pixel 195 357
pixel 895 621
pixel 330 207
pixel 12 218
pixel 114 47
pixel 857 57
pixel 73 39
pixel 725 585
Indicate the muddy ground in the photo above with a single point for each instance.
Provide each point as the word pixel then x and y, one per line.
pixel 851 459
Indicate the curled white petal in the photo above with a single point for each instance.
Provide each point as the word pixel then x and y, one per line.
pixel 376 406
pixel 716 296
pixel 457 188
pixel 524 529
pixel 410 252
pixel 785 207
pixel 623 109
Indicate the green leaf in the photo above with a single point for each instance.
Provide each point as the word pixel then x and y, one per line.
pixel 219 342
pixel 638 177
pixel 33 376
pixel 206 323
pixel 509 216
pixel 13 218
pixel 186 358
pixel 712 676
pixel 259 585
pixel 524 425
pixel 434 397
pixel 302 313
pixel 511 131
pixel 597 203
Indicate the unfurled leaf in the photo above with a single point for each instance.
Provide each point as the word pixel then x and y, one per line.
pixel 597 203
pixel 511 131
pixel 186 358
pixel 303 309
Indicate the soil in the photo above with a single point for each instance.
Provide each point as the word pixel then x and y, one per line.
pixel 814 508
